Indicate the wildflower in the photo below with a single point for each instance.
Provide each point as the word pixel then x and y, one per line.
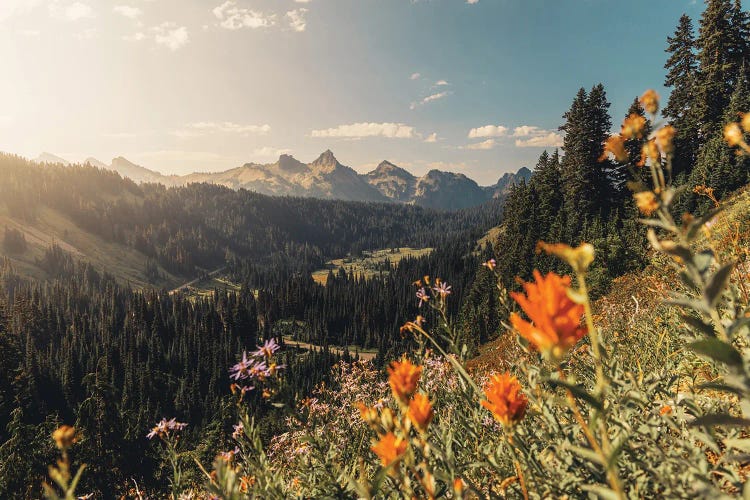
pixel 665 410
pixel 273 369
pixel 664 137
pixel 442 288
pixel 745 122
pixel 403 378
pixel 369 414
pixel 228 456
pixel 458 487
pixel 64 436
pixel 164 426
pixel 650 101
pixel 579 258
pixel 633 126
pixel 649 151
pixel 411 326
pixel 556 318
pixel 733 134
pixel 268 349
pixel 490 264
pixel 420 412
pixel 422 296
pixel 647 202
pixel 246 482
pixel 616 146
pixel 241 388
pixel 505 400
pixel 239 430
pixel 240 369
pixel 390 449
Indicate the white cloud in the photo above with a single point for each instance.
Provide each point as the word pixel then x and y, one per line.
pixel 72 11
pixel 11 8
pixel 358 130
pixel 432 138
pixel 488 131
pixel 528 130
pixel 269 152
pixel 441 83
pixel 484 145
pixel 204 128
pixel 297 19
pixel 135 37
pixel 302 1
pixel 128 11
pixel 170 35
pixel 472 2
pixel 445 166
pixel 29 32
pixel 86 34
pixel 232 17
pixel 428 99
pixel 415 76
pixel 546 140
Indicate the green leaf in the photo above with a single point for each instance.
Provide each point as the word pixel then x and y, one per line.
pixel 577 391
pixel 713 386
pixel 699 325
pixel 717 284
pixel 696 305
pixel 586 453
pixel 718 351
pixel 738 444
pixel 720 419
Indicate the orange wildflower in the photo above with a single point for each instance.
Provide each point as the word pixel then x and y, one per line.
pixel 650 101
pixel 616 146
pixel 556 318
pixel 420 412
pixel 647 202
pixel 64 436
pixel 733 134
pixel 579 258
pixel 633 126
pixel 664 137
pixel 368 413
pixel 649 152
pixel 665 410
pixel 458 487
pixel 403 378
pixel 389 449
pixel 505 400
pixel 745 122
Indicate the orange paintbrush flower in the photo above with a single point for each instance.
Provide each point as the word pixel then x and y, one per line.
pixel 664 137
pixel 420 412
pixel 650 101
pixel 505 399
pixel 616 146
pixel 403 377
pixel 733 134
pixel 633 126
pixel 65 436
pixel 556 318
pixel 389 449
pixel 647 202
pixel 649 151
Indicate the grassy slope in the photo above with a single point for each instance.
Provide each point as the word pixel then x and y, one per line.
pixel 368 264
pixel 50 227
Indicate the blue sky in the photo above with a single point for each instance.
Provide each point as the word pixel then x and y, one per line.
pixel 186 85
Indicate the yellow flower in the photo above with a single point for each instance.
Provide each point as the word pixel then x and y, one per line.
pixel 633 126
pixel 650 101
pixel 420 412
pixel 579 258
pixel 745 122
pixel 556 318
pixel 390 449
pixel 65 436
pixel 504 399
pixel 649 152
pixel 403 378
pixel 616 146
pixel 733 134
pixel 647 202
pixel 664 137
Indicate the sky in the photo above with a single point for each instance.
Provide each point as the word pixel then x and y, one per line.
pixel 471 86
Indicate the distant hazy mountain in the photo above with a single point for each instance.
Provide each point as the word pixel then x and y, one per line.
pixel 328 179
pixel 50 158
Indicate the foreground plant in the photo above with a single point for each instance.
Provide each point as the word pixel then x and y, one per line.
pixel 64 437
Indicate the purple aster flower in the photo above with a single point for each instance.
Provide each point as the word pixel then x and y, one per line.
pixel 268 349
pixel 241 369
pixel 422 296
pixel 442 288
pixel 239 430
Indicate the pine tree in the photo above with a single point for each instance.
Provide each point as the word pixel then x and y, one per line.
pixel 681 108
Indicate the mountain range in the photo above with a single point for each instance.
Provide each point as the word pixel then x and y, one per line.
pixel 327 178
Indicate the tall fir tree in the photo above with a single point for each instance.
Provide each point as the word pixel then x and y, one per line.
pixel 682 107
